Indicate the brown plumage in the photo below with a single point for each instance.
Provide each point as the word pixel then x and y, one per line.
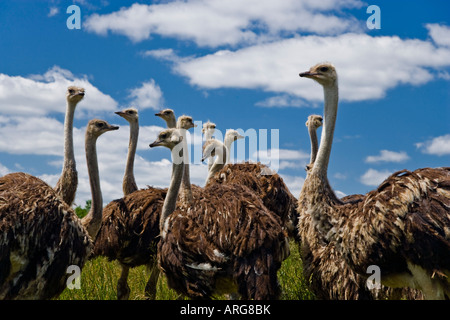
pixel 402 227
pixel 224 240
pixel 130 225
pixel 330 275
pixel 67 184
pixel 40 235
pixel 267 185
pixel 129 234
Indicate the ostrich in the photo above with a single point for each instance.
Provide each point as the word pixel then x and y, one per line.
pixel 129 183
pixel 130 228
pixel 224 240
pixel 184 123
pixel 208 130
pixel 401 227
pixel 168 116
pixel 67 184
pixel 313 123
pixel 41 236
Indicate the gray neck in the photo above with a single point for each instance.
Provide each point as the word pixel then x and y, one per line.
pixel 227 142
pixel 170 202
pixel 186 190
pixel 129 183
pixel 326 141
pixel 171 123
pixel 69 157
pixel 93 219
pixel 314 143
pixel 221 153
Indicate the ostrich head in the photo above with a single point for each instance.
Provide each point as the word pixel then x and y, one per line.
pixel 166 114
pixel 208 126
pixel 323 73
pixel 233 135
pixel 168 138
pixel 315 121
pixel 74 94
pixel 185 122
pixel 130 114
pixel 97 127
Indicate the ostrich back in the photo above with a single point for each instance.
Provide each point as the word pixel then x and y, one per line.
pixel 40 237
pixel 130 227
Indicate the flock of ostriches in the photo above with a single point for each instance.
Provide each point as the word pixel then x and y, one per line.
pixel 232 235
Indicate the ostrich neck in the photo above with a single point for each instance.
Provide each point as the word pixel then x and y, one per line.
pixel 326 141
pixel 93 219
pixel 186 191
pixel 170 201
pixel 219 163
pixel 227 142
pixel 129 182
pixel 314 143
pixel 171 123
pixel 69 157
pixel 317 196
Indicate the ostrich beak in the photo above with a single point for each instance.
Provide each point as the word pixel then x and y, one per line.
pixel 120 113
pixel 308 74
pixel 155 143
pixel 159 114
pixel 112 128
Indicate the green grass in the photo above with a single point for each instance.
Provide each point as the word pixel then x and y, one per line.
pixel 99 280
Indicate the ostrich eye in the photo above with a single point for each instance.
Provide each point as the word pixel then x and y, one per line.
pixel 323 69
pixel 71 91
pixel 100 124
pixel 163 136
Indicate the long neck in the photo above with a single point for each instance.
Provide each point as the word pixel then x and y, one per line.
pixel 93 219
pixel 314 143
pixel 221 153
pixel 326 141
pixel 129 183
pixel 171 123
pixel 69 157
pixel 170 201
pixel 227 142
pixel 186 190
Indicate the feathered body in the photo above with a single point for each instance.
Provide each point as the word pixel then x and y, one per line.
pixel 130 228
pixel 226 241
pixel 402 227
pixel 41 237
pixel 267 185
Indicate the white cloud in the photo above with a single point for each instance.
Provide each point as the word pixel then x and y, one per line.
pixel 437 146
pixel 215 22
pixel 439 33
pixel 39 95
pixel 388 156
pixel 53 12
pixel 294 183
pixel 374 177
pixel 4 170
pixel 359 58
pixel 148 95
pixel 283 101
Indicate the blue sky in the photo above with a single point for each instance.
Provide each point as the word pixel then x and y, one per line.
pixel 235 63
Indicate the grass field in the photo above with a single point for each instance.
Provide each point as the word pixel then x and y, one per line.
pixel 99 279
